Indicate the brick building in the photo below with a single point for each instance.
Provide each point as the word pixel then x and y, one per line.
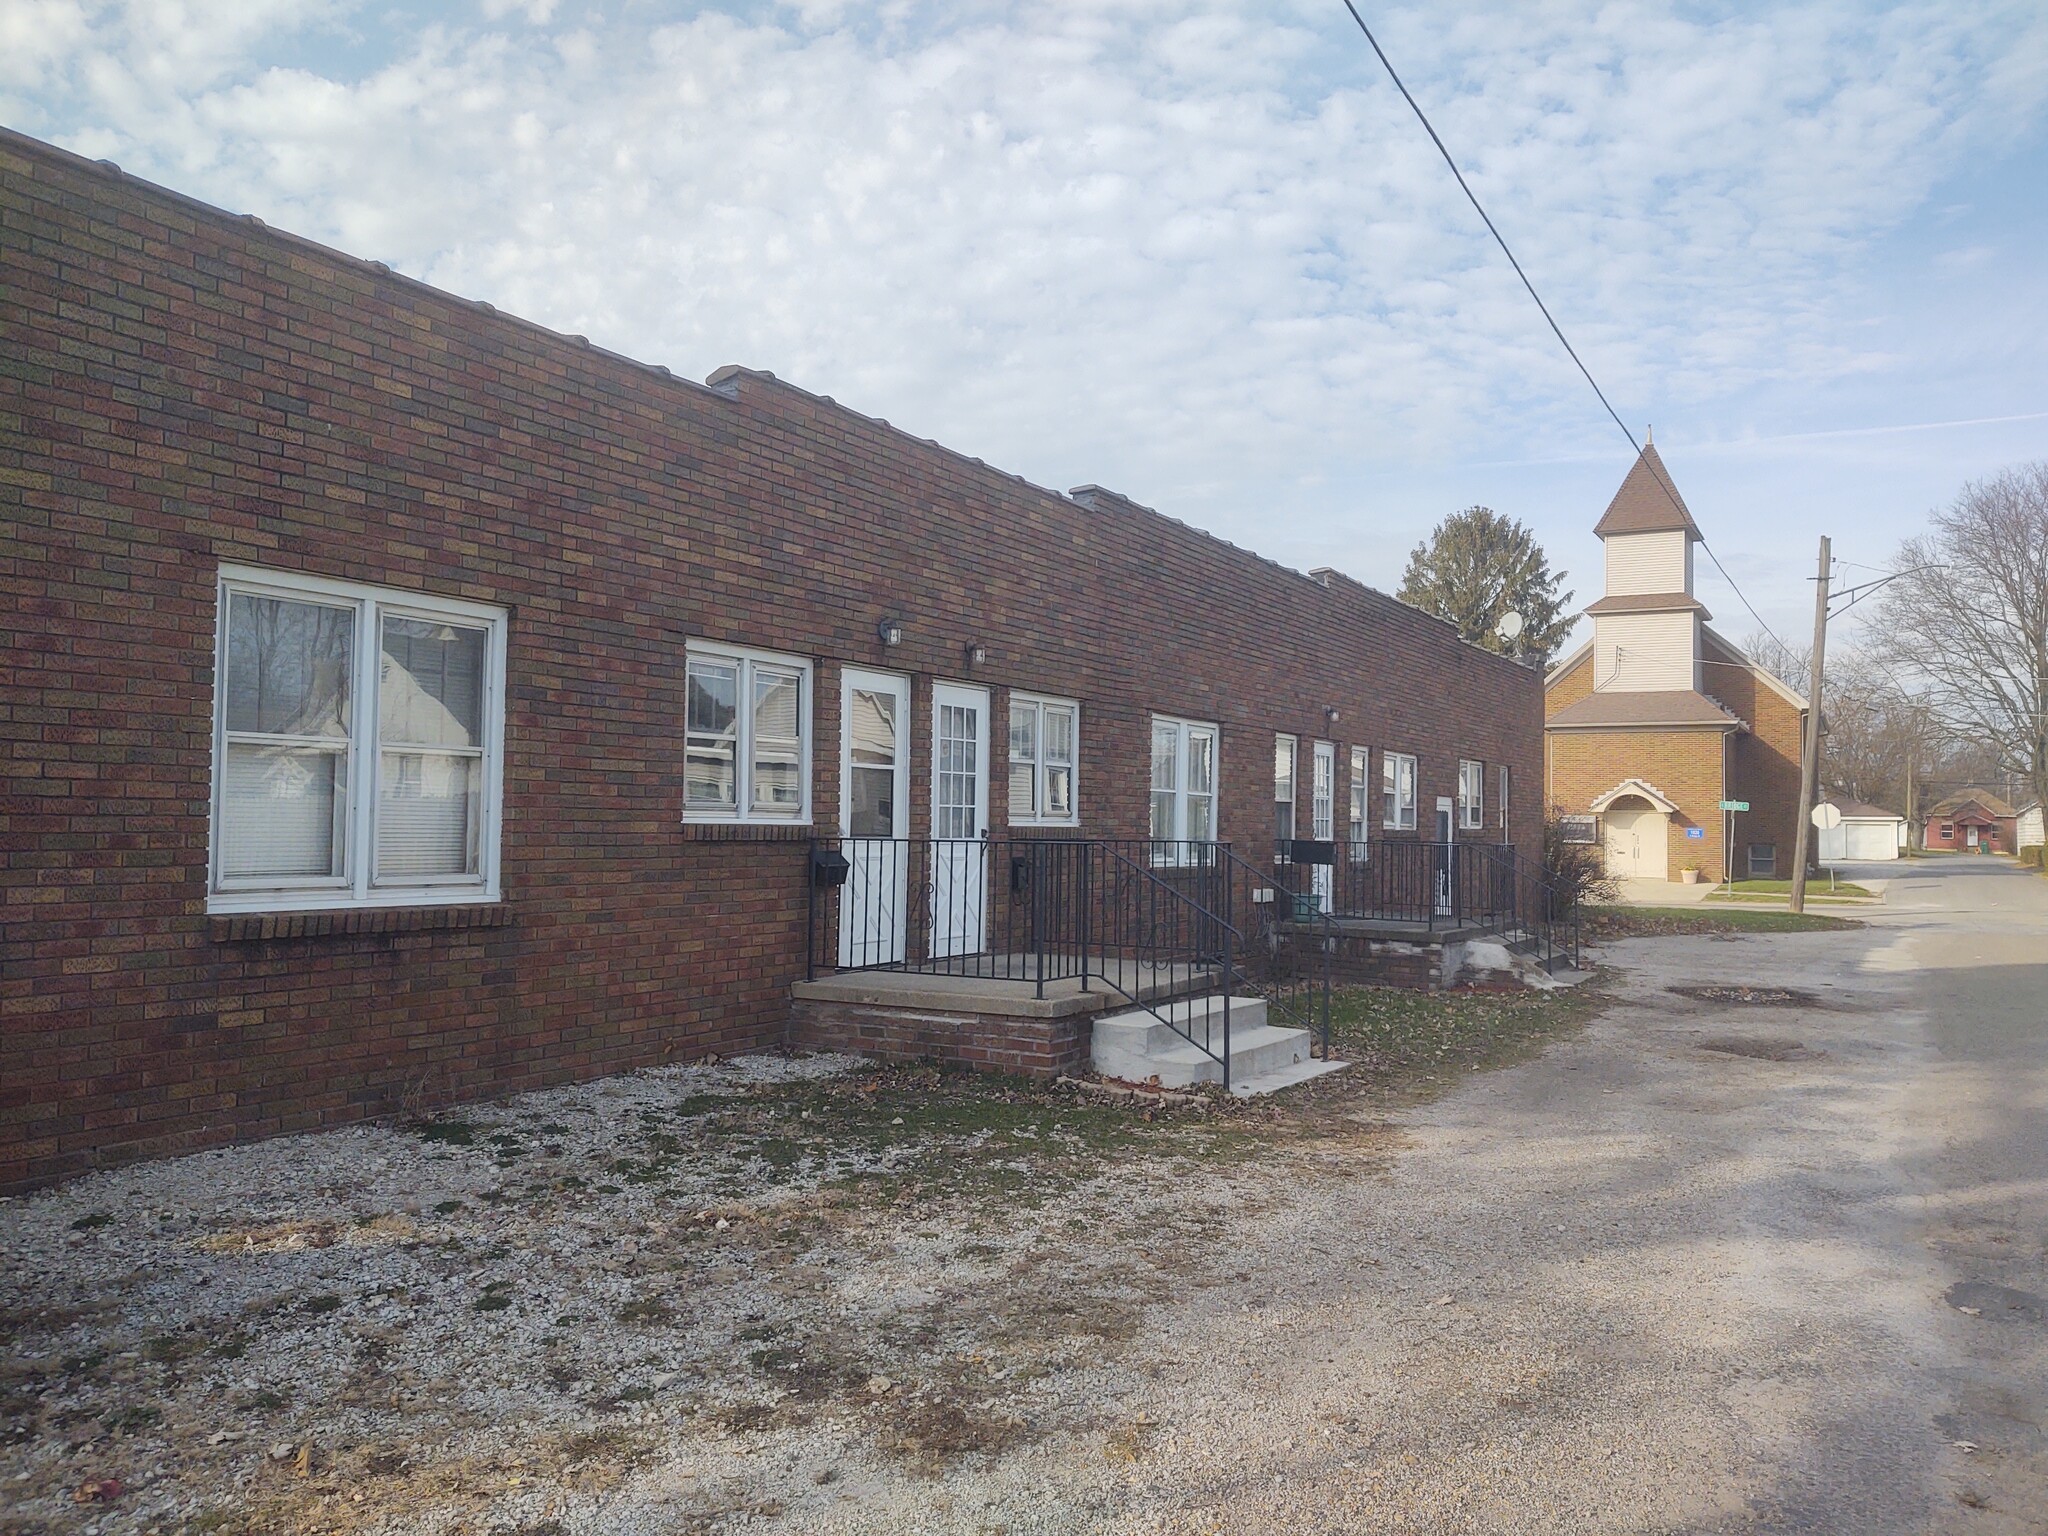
pixel 1657 719
pixel 1974 821
pixel 404 703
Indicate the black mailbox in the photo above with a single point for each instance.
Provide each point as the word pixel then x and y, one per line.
pixel 828 867
pixel 1311 850
pixel 1020 874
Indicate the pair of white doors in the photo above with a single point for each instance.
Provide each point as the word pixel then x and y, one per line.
pixel 885 870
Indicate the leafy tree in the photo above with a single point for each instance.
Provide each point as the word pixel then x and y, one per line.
pixel 1478 565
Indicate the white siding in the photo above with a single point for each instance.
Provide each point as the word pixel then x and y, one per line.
pixel 1858 842
pixel 2031 829
pixel 1648 562
pixel 1644 652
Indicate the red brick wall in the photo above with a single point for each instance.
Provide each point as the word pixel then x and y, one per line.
pixel 182 388
pixel 1762 765
pixel 1013 1043
pixel 1684 765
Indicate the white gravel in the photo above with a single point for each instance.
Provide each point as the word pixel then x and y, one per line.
pixel 1630 1286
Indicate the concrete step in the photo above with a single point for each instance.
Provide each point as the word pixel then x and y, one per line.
pixel 1284 1077
pixel 1138 1048
pixel 1141 1029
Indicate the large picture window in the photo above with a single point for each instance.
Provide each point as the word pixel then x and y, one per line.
pixel 1044 742
pixel 358 746
pixel 1183 781
pixel 747 737
pixel 1397 791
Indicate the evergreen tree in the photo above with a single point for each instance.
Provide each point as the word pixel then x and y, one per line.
pixel 1478 565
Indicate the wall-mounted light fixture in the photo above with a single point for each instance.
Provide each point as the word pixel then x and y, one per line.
pixel 890 631
pixel 977 653
pixel 1331 714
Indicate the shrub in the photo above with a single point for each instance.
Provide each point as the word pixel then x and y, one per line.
pixel 1577 872
pixel 2031 857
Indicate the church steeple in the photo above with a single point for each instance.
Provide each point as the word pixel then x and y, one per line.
pixel 1646 628
pixel 1647 502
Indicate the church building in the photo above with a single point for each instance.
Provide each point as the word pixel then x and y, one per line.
pixel 1657 723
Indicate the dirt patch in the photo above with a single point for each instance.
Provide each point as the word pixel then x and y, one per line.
pixel 1758 1048
pixel 931 1434
pixel 1748 995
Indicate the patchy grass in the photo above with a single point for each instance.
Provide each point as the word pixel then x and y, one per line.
pixel 1607 923
pixel 1784 887
pixel 1816 895
pixel 1407 1047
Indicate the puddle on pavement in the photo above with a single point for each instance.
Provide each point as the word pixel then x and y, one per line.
pixel 1980 1298
pixel 1758 1048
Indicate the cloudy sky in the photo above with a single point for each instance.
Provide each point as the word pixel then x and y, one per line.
pixel 1197 252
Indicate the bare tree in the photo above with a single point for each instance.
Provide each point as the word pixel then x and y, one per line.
pixel 1881 737
pixel 1967 625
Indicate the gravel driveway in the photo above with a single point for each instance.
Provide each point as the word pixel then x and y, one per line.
pixel 1665 1277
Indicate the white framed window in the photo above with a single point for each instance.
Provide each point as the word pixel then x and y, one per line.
pixel 1183 782
pixel 746 736
pixel 1045 742
pixel 1361 802
pixel 1503 797
pixel 1286 751
pixel 1397 791
pixel 358 746
pixel 1471 794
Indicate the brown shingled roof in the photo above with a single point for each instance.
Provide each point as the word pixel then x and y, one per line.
pixel 1987 803
pixel 1648 501
pixel 1650 602
pixel 1675 706
pixel 1861 809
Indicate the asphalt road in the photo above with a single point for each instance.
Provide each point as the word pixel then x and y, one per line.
pixel 1714 1266
pixel 1975 934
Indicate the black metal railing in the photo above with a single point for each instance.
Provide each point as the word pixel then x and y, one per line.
pixel 1165 925
pixel 1009 909
pixel 1286 937
pixel 1490 888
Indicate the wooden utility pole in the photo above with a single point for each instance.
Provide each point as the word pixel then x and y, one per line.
pixel 1809 768
pixel 1911 787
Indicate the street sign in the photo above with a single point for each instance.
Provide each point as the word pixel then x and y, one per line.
pixel 1734 805
pixel 1827 817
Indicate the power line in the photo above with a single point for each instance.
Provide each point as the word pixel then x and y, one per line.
pixel 1555 330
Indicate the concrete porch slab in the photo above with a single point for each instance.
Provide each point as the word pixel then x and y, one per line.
pixel 998 994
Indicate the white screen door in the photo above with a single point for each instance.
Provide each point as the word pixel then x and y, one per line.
pixel 959 881
pixel 1322 816
pixel 1446 832
pixel 874 793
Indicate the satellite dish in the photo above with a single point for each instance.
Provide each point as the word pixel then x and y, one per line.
pixel 1827 817
pixel 1510 625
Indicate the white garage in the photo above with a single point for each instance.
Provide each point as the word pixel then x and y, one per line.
pixel 1867 833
